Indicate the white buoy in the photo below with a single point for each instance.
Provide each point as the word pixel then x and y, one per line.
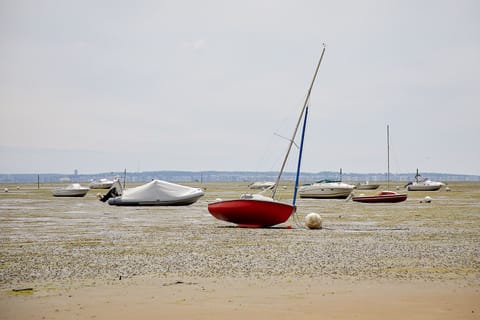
pixel 6 189
pixel 397 187
pixel 447 189
pixel 313 221
pixel 427 199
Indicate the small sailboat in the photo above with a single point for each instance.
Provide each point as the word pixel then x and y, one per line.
pixel 257 210
pixel 384 196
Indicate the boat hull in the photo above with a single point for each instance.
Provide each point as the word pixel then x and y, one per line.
pixel 367 186
pixel 70 193
pixel 423 188
pixel 390 197
pixel 326 193
pixel 251 213
pixel 117 201
pixel 105 185
pixel 326 189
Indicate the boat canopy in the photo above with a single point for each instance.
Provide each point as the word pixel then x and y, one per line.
pixel 158 190
pixel 328 181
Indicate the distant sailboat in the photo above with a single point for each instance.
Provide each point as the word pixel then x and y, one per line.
pixel 256 210
pixel 384 196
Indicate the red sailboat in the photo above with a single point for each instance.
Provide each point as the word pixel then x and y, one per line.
pixel 384 196
pixel 259 211
pixel 252 211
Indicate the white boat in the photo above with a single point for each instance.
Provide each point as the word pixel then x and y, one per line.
pixel 101 184
pixel 366 186
pixel 423 184
pixel 326 189
pixel 261 185
pixel 154 193
pixel 72 190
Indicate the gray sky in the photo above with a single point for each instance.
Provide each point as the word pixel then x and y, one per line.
pixel 100 86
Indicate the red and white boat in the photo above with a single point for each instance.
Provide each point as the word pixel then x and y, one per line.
pixel 256 210
pixel 252 211
pixel 384 196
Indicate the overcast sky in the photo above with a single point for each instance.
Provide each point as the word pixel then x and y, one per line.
pixel 101 86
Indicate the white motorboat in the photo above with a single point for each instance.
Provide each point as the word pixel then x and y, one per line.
pixel 261 185
pixel 101 184
pixel 154 193
pixel 72 190
pixel 423 184
pixel 326 189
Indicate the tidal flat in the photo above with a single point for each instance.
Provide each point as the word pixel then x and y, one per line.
pixel 47 240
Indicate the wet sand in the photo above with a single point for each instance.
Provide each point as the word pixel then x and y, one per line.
pixel 85 259
pixel 153 298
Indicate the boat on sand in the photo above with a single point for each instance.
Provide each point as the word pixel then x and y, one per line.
pixel 101 184
pixel 261 185
pixel 366 186
pixel 326 189
pixel 423 184
pixel 72 190
pixel 384 196
pixel 257 210
pixel 154 193
pixel 387 195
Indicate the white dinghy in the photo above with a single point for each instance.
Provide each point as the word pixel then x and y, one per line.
pixel 72 190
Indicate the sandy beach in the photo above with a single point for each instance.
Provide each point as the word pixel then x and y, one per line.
pixel 84 259
pixel 278 298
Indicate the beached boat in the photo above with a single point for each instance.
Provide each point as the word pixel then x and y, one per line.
pixel 326 189
pixel 72 190
pixel 366 186
pixel 261 185
pixel 423 184
pixel 257 210
pixel 154 193
pixel 384 196
pixel 101 184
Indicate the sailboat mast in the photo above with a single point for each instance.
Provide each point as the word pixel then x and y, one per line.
pixel 388 157
pixel 297 177
pixel 298 124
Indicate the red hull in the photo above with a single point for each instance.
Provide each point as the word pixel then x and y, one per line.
pixel 384 196
pixel 251 213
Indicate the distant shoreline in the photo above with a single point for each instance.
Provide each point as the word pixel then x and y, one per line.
pixel 226 176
